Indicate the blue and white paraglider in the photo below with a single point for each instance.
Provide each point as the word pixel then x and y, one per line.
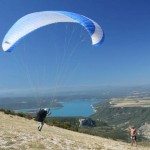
pixel 36 20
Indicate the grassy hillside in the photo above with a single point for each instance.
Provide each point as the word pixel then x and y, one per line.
pixel 119 119
pixel 122 116
pixel 20 134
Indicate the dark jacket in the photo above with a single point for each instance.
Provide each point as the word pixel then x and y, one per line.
pixel 41 115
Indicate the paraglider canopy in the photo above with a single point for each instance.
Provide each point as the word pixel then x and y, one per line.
pixel 36 20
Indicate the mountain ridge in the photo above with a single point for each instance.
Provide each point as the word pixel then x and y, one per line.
pixel 20 133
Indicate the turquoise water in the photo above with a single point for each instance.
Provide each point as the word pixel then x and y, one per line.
pixel 74 108
pixel 70 108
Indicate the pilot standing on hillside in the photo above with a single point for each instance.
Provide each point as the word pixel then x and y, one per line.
pixel 41 115
pixel 133 133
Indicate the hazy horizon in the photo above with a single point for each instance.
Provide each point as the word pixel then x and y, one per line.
pixel 68 91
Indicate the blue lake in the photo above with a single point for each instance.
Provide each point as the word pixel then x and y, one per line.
pixel 74 108
pixel 70 108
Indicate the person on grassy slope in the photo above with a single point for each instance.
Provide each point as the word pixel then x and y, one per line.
pixel 41 115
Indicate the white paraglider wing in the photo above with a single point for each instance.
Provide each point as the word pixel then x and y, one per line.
pixel 33 21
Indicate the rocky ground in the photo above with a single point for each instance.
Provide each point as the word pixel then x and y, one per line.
pixel 145 130
pixel 18 133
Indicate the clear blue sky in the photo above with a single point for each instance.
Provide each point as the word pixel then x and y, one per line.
pixel 123 58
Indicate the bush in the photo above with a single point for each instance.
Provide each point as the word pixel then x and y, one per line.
pixel 64 122
pixel 9 112
pixel 20 114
